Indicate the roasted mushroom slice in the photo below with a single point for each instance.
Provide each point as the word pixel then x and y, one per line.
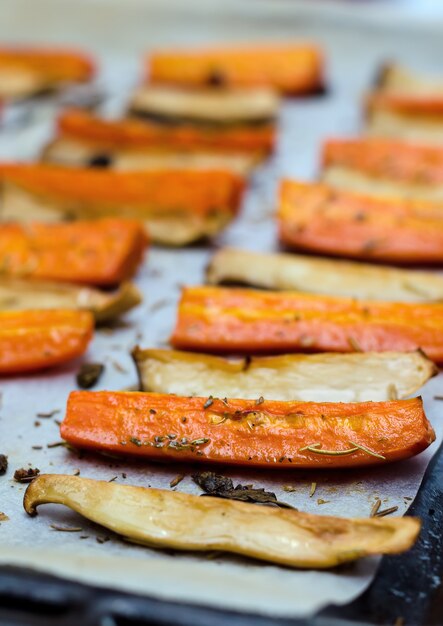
pixel 206 107
pixel 26 72
pixel 18 294
pixel 309 377
pixel 165 519
pixel 75 153
pixel 296 272
pixel 406 105
pixel 393 77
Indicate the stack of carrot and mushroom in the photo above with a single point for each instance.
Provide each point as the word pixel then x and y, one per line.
pixel 334 352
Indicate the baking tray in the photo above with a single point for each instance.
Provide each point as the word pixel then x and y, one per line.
pixel 404 586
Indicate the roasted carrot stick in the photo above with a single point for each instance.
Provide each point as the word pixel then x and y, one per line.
pixel 289 68
pixel 408 103
pixel 134 135
pixel 319 218
pixel 52 64
pixel 261 433
pixel 215 319
pixel 34 340
pixel 104 252
pixel 386 158
pixel 196 192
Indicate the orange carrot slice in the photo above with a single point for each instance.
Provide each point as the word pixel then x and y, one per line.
pixel 195 192
pixel 386 158
pixel 292 69
pixel 406 103
pixel 34 340
pixel 247 432
pixel 103 252
pixel 51 63
pixel 135 135
pixel 321 219
pixel 215 319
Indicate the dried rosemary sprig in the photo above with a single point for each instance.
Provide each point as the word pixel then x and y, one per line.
pixel 66 529
pixel 175 481
pixel 375 507
pixel 385 512
pixel 354 344
pixel 317 449
pixel 368 451
pixel 48 415
pixel 314 447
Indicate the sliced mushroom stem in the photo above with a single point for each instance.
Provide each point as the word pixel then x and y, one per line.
pixel 318 275
pixel 309 377
pixel 165 519
pixel 17 294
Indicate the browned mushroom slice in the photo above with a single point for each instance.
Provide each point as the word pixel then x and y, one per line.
pixel 76 153
pixel 19 294
pixel 168 519
pixel 219 107
pixel 308 377
pixel 323 276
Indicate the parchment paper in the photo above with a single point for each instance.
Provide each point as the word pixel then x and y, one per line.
pixel 95 555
